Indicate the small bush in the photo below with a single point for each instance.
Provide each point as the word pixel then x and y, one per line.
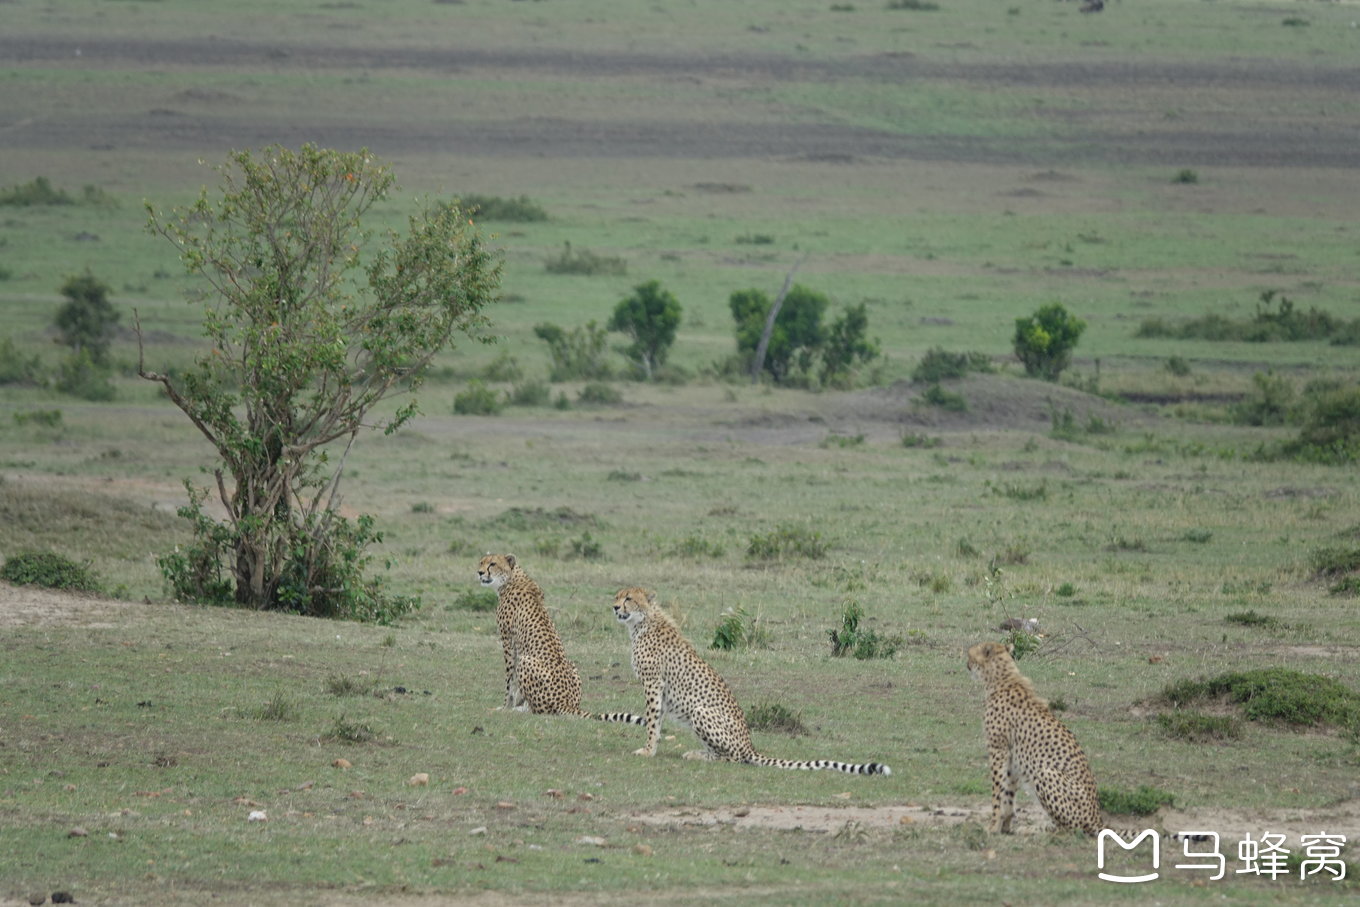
pixel 46 418
pixel 345 731
pixel 937 396
pixel 1178 366
pixel 481 600
pixel 920 6
pixel 1252 619
pixel 278 708
pixel 938 365
pixel 850 638
pixel 698 548
pixel 1197 536
pixel 477 400
pixel 587 548
pixel 1185 177
pixel 1270 403
pixel 775 717
pixel 15 367
pixel 597 393
pixel 1017 492
pixel 81 376
pixel 1275 694
pixel 578 354
pixel 344 685
pixel 36 192
pixel 842 441
pixel 1335 561
pixel 530 393
pixel 785 543
pixel 493 207
pixel 585 262
pixel 504 368
pixel 739 630
pixel 913 439
pixel 1023 643
pixel 1044 341
pixel 1196 727
pixel 50 571
pixel 1141 802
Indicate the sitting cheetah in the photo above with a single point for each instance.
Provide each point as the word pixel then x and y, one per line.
pixel 680 684
pixel 538 676
pixel 1027 744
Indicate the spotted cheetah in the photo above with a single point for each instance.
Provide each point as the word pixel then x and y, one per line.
pixel 1027 744
pixel 538 676
pixel 681 685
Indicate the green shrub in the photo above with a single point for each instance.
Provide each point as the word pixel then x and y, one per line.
pixel 475 600
pixel 81 376
pixel 1044 341
pixel 785 543
pixel 85 322
pixel 530 393
pixel 1335 560
pixel 1330 431
pixel 775 717
pixel 917 439
pixel 15 367
pixel 1252 619
pixel 493 207
pixel 1197 536
pixel 49 570
pixel 1017 492
pixel 343 685
pixel 650 316
pixel 587 548
pixel 477 400
pixel 1197 727
pixel 47 418
pixel 1185 177
pixel 1178 366
pixel 738 630
pixel 850 638
pixel 1270 403
pixel 1023 643
pixel 938 365
pixel 578 354
pixel 795 340
pixel 585 262
pixel 597 393
pixel 536 519
pixel 846 346
pixel 935 395
pixel 1066 590
pixel 343 730
pixel 754 239
pixel 1274 694
pixel 278 708
pixel 1141 802
pixel 35 192
pixel 919 6
pixel 698 548
pixel 504 368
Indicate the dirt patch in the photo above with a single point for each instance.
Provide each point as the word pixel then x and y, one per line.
pixel 31 606
pixel 1230 824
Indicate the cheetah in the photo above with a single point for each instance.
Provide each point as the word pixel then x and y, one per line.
pixel 681 685
pixel 539 678
pixel 1027 744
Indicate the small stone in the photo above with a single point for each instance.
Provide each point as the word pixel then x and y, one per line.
pixel 257 815
pixel 76 832
pixel 591 840
pixel 505 804
pixel 342 764
pixel 37 898
pixel 642 850
pixel 419 779
pixel 479 830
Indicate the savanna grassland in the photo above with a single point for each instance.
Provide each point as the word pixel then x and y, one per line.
pixel 952 169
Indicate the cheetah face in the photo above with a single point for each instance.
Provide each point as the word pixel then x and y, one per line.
pixel 495 569
pixel 630 605
pixel 983 654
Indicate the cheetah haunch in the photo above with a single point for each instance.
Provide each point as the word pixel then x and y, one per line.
pixel 538 676
pixel 681 685
pixel 1027 745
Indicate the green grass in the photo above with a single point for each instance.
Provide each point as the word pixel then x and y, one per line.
pixel 1154 550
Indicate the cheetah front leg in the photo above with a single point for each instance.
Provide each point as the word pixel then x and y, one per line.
pixel 653 717
pixel 1005 780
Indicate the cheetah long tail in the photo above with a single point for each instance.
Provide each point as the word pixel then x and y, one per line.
pixel 621 717
pixel 812 765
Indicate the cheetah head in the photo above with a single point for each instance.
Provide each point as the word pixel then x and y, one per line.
pixel 495 569
pixel 985 656
pixel 632 604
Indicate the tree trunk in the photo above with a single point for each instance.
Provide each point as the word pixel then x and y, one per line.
pixel 758 361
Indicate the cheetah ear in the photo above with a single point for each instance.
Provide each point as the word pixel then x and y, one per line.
pixel 510 561
pixel 651 598
pixel 1010 649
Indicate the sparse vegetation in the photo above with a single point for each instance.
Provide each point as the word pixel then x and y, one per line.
pixel 940 365
pixel 477 400
pixel 863 643
pixel 1197 727
pixel 738 630
pixel 1044 341
pixel 578 354
pixel 777 718
pixel 1274 694
pixel 522 210
pixel 586 262
pixel 788 542
pixel 482 600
